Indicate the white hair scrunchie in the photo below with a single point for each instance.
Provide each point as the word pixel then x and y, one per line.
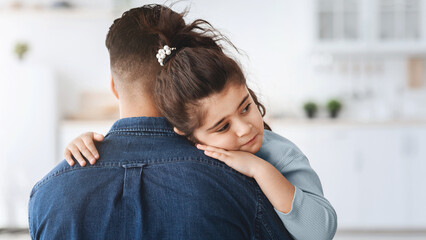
pixel 163 53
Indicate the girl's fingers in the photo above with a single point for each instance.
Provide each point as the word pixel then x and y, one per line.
pixel 200 146
pixel 86 153
pixel 219 156
pixel 68 158
pixel 91 146
pixel 211 149
pixel 98 137
pixel 76 154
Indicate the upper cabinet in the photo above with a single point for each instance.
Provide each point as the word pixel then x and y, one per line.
pixel 338 20
pixel 370 26
pixel 399 20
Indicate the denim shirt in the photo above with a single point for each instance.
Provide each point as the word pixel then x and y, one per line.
pixel 150 183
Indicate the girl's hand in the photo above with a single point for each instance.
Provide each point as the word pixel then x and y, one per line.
pixel 278 190
pixel 83 144
pixel 243 162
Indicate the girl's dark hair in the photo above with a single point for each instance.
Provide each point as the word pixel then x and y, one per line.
pixel 197 69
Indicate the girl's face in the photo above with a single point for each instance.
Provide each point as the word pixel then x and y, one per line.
pixel 232 120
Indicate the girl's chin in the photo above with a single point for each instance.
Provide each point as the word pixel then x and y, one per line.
pixel 254 147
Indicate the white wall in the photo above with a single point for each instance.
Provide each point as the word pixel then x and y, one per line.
pixel 277 37
pixel 27 136
pixel 72 45
pixel 275 34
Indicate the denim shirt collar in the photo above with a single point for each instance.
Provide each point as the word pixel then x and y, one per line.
pixel 142 124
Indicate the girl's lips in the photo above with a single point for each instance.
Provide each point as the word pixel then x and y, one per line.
pixel 251 141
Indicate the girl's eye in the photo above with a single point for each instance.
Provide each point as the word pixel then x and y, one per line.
pixel 246 108
pixel 224 128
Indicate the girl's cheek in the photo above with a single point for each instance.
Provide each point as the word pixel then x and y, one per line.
pixel 224 142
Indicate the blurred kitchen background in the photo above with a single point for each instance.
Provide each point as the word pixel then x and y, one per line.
pixel 343 79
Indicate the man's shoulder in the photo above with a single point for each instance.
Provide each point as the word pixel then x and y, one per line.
pixel 59 169
pixel 155 155
pixel 63 177
pixel 116 156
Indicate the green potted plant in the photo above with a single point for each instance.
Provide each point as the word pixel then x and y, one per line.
pixel 334 106
pixel 310 109
pixel 21 49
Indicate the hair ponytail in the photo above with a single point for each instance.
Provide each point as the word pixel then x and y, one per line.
pixel 174 32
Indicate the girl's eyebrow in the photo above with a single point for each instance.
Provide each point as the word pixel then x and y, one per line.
pixel 221 120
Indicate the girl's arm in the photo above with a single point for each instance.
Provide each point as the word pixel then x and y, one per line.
pixel 278 190
pixel 302 207
pixel 83 144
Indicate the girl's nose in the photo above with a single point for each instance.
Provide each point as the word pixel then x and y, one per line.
pixel 243 128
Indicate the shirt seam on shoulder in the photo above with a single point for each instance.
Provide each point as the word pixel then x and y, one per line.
pixel 65 170
pixel 205 161
pixel 142 131
pixel 201 160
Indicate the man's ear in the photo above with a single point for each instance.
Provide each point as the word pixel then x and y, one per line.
pixel 114 91
pixel 178 131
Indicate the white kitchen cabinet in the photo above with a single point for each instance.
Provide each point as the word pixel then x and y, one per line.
pixel 370 26
pixel 373 174
pixel 415 155
pixel 329 152
pixel 339 173
pixel 338 20
pixel 399 19
pixel 382 176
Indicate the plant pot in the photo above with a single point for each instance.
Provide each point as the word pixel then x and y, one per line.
pixel 333 114
pixel 333 107
pixel 310 109
pixel 310 114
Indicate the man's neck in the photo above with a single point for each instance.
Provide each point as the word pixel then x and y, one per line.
pixel 138 108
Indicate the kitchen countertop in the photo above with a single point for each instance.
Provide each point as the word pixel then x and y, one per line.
pixel 342 122
pixel 294 122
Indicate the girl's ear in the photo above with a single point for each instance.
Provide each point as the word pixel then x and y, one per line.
pixel 178 131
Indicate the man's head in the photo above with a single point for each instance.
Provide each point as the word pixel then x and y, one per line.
pixel 133 42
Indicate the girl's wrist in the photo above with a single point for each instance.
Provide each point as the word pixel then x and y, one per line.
pixel 261 167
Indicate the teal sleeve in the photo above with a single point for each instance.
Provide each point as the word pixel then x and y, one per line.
pixel 311 216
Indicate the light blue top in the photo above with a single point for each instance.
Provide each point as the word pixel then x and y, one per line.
pixel 311 215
